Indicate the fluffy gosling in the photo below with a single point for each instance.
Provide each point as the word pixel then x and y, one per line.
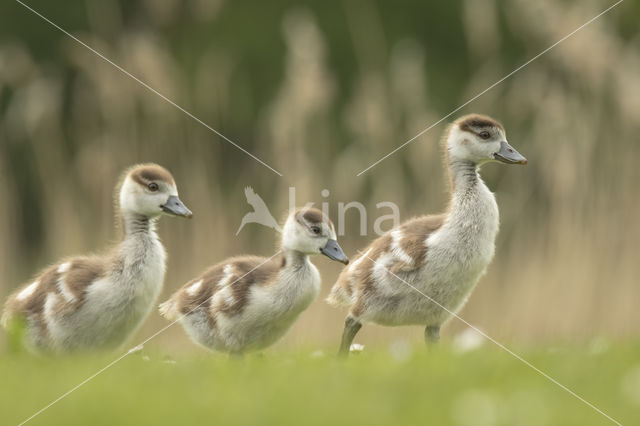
pixel 93 302
pixel 442 256
pixel 247 303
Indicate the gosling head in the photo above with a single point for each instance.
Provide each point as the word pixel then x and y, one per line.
pixel 480 139
pixel 149 190
pixel 310 231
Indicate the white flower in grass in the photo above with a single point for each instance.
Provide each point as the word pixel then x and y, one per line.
pixel 356 348
pixel 467 341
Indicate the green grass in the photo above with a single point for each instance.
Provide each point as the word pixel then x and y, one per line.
pixel 481 387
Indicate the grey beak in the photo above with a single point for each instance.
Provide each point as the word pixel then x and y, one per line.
pixel 508 155
pixel 334 252
pixel 175 207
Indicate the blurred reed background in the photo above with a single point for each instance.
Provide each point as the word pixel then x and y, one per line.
pixel 320 91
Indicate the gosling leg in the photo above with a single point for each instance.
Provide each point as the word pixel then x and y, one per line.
pixel 431 335
pixel 351 328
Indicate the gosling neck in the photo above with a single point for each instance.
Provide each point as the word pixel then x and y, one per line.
pixel 293 259
pixel 464 175
pixel 135 224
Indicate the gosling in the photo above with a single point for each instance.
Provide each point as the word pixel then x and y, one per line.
pixel 442 256
pixel 97 302
pixel 247 303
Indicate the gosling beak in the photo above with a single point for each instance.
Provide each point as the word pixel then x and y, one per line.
pixel 175 207
pixel 333 251
pixel 508 155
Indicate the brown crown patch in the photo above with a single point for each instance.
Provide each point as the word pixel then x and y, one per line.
pixel 473 122
pixel 146 173
pixel 314 216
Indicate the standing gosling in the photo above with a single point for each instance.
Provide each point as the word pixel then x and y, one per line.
pixel 442 256
pixel 98 301
pixel 247 303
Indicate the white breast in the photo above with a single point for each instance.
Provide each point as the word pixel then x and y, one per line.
pixel 459 252
pixel 468 235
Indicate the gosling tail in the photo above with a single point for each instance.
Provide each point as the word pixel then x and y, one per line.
pixel 169 310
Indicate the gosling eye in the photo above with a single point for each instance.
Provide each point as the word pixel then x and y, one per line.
pixel 484 135
pixel 153 187
pixel 316 230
